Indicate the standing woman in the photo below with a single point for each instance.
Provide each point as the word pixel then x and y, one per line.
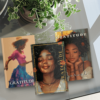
pixel 19 74
pixel 75 49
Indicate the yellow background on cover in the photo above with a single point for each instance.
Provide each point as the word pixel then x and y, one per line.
pixel 61 34
pixel 8 49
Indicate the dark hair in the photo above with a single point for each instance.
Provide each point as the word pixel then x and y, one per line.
pixel 83 48
pixel 53 49
pixel 19 43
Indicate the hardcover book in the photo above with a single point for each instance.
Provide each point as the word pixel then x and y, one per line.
pixel 18 61
pixel 77 53
pixel 49 68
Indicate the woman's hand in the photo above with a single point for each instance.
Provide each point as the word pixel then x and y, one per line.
pixel 77 64
pixel 70 71
pixel 31 61
pixel 6 66
pixel 70 64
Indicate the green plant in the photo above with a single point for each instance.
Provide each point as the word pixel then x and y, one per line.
pixel 43 10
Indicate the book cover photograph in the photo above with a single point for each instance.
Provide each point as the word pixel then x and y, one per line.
pixel 49 68
pixel 77 53
pixel 17 61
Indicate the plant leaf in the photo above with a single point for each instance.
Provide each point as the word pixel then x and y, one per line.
pixel 15 9
pixel 35 20
pixel 65 9
pixel 56 28
pixel 66 12
pixel 48 17
pixel 78 10
pixel 56 24
pixel 45 13
pixel 46 1
pixel 31 14
pixel 34 9
pixel 74 5
pixel 12 16
pixel 44 24
pixel 9 18
pixel 55 4
pixel 69 14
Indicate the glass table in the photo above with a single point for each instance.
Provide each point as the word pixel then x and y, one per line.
pixel 21 27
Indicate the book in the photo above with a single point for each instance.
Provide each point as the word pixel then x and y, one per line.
pixel 77 52
pixel 17 61
pixel 49 68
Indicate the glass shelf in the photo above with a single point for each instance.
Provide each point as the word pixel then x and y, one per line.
pixel 21 27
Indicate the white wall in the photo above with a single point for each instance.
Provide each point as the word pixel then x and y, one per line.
pixel 92 9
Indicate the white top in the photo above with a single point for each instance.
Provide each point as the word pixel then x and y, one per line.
pixel 86 74
pixel 61 87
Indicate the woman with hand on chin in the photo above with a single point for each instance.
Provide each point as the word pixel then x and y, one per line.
pixel 75 48
pixel 19 74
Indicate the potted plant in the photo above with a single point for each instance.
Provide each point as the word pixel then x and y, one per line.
pixel 39 10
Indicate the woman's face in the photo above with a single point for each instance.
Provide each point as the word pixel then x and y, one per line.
pixel 22 46
pixel 46 62
pixel 72 53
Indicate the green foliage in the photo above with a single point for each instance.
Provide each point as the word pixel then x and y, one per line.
pixel 31 14
pixel 43 10
pixel 71 9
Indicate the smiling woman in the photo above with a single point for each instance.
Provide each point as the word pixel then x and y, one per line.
pixel 49 75
pixel 46 57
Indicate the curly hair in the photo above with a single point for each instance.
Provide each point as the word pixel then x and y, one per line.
pixel 53 49
pixel 80 41
pixel 19 43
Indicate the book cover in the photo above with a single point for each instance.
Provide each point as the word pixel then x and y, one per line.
pixel 77 53
pixel 49 68
pixel 17 61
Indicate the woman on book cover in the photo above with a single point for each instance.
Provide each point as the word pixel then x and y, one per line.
pixel 75 49
pixel 48 72
pixel 19 77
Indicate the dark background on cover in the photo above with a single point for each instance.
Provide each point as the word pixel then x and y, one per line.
pixel 58 48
